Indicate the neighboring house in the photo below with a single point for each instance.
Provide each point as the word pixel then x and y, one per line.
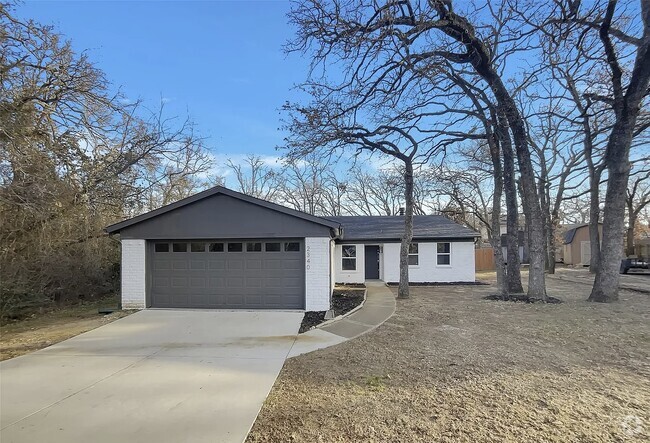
pixel 523 246
pixel 225 250
pixel 503 229
pixel 577 247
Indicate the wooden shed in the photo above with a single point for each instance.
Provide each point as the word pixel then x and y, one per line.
pixel 577 247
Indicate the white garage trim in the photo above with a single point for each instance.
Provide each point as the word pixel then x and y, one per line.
pixel 134 276
pixel 317 274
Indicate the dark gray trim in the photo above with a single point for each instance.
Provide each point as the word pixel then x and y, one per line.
pixel 345 241
pixel 149 245
pixel 225 191
pixel 376 228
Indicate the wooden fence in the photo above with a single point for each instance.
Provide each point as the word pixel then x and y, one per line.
pixel 484 259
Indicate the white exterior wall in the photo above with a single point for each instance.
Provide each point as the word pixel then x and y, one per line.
pixel 356 276
pixel 462 268
pixel 134 278
pixel 317 274
pixel 332 265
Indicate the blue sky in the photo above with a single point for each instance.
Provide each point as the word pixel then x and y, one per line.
pixel 219 62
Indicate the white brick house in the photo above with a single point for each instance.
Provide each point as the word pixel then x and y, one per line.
pixel 221 249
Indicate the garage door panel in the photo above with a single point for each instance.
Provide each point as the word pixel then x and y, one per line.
pixel 217 282
pixel 235 264
pixel 272 279
pixel 197 265
pixel 179 265
pixel 274 264
pixel 160 282
pixel 254 282
pixel 179 282
pixel 254 264
pixel 217 264
pixel 161 265
pixel 292 282
pixel 197 282
pixel 294 264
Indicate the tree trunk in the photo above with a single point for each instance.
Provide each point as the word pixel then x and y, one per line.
pixel 617 157
pixel 630 240
pixel 594 222
pixel 513 270
pixel 481 59
pixel 605 287
pixel 495 235
pixel 536 277
pixel 551 247
pixel 631 222
pixel 403 290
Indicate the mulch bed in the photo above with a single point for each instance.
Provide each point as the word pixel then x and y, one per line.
pixel 522 298
pixel 343 301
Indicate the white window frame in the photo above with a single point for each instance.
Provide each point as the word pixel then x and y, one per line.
pixel 343 257
pixel 415 254
pixel 438 254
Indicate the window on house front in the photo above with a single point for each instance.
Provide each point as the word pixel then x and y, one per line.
pixel 413 254
pixel 254 247
pixel 443 253
pixel 272 247
pixel 292 246
pixel 349 258
pixel 162 247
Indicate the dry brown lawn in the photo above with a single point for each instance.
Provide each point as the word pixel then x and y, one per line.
pixel 451 367
pixel 45 329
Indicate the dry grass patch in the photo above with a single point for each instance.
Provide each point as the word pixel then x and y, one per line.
pixel 45 329
pixel 451 367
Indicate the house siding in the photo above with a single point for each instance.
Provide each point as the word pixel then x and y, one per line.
pixel 222 216
pixel 461 269
pixel 356 276
pixel 317 274
pixel 134 276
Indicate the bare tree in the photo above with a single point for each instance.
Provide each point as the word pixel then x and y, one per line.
pixel 622 40
pixel 376 193
pixel 75 157
pixel 255 177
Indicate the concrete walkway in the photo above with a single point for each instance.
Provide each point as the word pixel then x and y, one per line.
pixel 378 307
pixel 154 376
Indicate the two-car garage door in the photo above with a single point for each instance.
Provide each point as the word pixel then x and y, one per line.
pixel 227 274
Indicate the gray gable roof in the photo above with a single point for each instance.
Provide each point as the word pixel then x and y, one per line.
pixel 225 191
pixel 425 227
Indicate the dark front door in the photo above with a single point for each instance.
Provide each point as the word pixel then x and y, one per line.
pixel 372 262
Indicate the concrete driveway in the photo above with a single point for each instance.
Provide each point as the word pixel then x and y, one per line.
pixel 154 376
